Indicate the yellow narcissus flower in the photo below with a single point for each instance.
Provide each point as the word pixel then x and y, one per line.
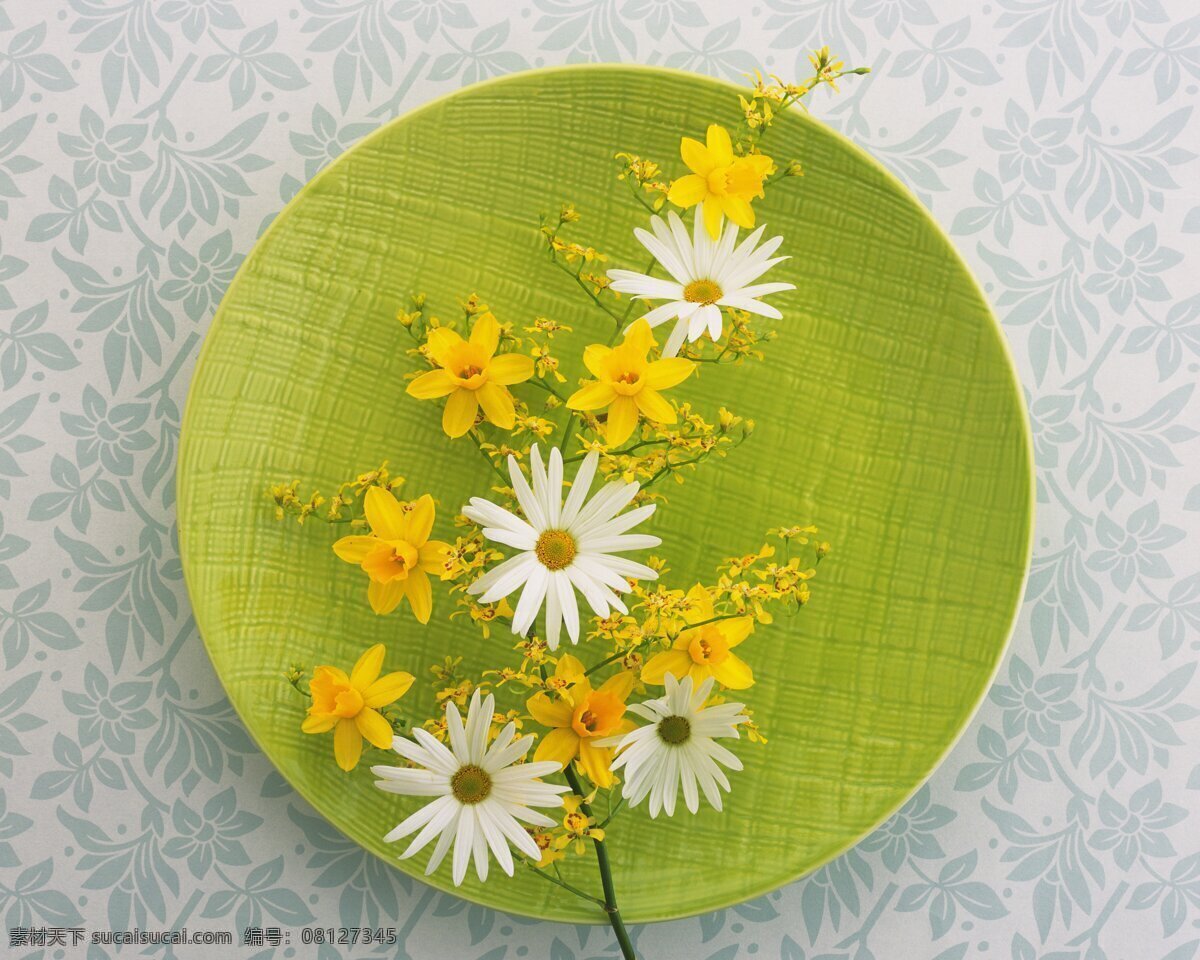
pixel 398 555
pixel 579 717
pixel 704 651
pixel 349 705
pixel 725 184
pixel 628 383
pixel 472 376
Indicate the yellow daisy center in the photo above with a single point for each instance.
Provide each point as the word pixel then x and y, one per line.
pixel 702 291
pixel 674 730
pixel 471 784
pixel 555 549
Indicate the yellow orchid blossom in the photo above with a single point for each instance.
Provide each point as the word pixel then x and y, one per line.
pixel 580 716
pixel 704 651
pixel 628 383
pixel 349 705
pixel 577 826
pixel 724 183
pixel 549 853
pixel 398 555
pixel 472 376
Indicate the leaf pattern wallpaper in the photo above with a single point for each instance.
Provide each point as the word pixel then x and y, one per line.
pixel 144 145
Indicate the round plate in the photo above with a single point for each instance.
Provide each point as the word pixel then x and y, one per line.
pixel 888 413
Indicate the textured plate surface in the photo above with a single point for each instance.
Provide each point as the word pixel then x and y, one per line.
pixel 887 411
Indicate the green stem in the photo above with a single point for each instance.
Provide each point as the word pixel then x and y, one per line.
pixel 638 193
pixel 606 878
pixel 604 663
pixel 491 463
pixel 620 453
pixel 723 616
pixel 572 416
pixel 612 813
pixel 563 883
pixel 543 385
pixel 574 275
pixel 670 467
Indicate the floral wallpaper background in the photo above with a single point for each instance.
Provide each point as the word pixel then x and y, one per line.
pixel 144 144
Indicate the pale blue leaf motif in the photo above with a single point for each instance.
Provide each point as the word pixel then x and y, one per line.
pixel 585 30
pixel 26 63
pixel 364 38
pixel 716 54
pixel 1058 862
pixel 203 181
pixel 484 57
pixel 1112 179
pixel 367 891
pixel 253 60
pixel 659 16
pixel 428 17
pixel 1137 828
pixel 911 832
pixel 131 40
pixel 1172 338
pixel 1132 732
pixel 26 340
pixel 1057 39
pixel 951 891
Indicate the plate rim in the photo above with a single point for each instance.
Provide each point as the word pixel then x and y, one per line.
pixel 1014 384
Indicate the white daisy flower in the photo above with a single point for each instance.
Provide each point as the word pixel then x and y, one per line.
pixel 707 275
pixel 678 747
pixel 565 546
pixel 483 794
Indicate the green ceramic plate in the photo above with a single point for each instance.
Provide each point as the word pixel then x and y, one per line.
pixel 888 413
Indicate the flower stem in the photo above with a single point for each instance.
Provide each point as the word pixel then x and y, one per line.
pixel 558 881
pixel 575 275
pixel 604 663
pixel 474 435
pixel 620 453
pixel 612 813
pixel 606 878
pixel 718 617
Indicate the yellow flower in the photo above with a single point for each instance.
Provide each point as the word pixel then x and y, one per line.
pixel 577 826
pixel 398 556
pixel 472 376
pixel 825 66
pixel 545 844
pixel 349 705
pixel 704 651
pixel 580 716
pixel 725 184
pixel 628 383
